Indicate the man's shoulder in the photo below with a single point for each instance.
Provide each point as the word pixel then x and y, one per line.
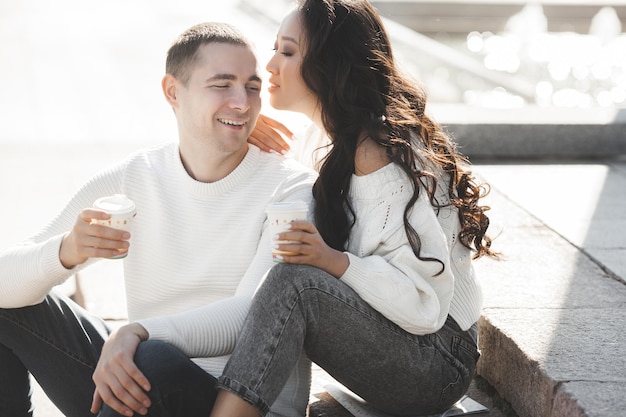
pixel 150 154
pixel 285 166
pixel 155 150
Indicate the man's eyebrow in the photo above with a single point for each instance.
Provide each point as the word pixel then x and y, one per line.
pixel 219 77
pixel 231 77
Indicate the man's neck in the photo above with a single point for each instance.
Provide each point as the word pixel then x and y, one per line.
pixel 206 164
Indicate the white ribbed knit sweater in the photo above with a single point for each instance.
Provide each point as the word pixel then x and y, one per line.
pixel 198 252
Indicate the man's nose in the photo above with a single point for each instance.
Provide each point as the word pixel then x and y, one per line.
pixel 240 99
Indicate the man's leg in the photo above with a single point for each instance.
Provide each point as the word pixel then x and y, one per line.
pixel 180 388
pixel 59 343
pixel 15 390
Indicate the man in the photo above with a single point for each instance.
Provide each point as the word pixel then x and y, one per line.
pixel 199 249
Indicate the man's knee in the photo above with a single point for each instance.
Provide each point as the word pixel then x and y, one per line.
pixel 178 385
pixel 154 357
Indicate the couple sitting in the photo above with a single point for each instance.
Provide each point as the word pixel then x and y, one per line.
pixel 380 293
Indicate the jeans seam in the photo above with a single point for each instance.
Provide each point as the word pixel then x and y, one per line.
pixel 279 338
pixel 41 337
pixel 244 393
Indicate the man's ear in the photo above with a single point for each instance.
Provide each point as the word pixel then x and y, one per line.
pixel 169 84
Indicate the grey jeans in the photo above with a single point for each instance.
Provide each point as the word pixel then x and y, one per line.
pixel 303 308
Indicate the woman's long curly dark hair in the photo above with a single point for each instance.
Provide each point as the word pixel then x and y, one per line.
pixel 348 64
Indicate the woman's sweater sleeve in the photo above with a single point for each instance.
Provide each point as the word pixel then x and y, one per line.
pixel 413 293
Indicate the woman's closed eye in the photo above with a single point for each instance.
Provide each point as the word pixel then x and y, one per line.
pixel 283 52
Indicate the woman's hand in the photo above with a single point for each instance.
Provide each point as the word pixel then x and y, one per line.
pixel 267 135
pixel 89 240
pixel 310 249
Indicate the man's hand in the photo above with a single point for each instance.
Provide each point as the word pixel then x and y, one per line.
pixel 267 135
pixel 89 240
pixel 119 383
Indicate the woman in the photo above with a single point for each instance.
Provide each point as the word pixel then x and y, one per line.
pixel 382 293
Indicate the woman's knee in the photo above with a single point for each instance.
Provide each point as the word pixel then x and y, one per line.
pixel 303 284
pixel 296 276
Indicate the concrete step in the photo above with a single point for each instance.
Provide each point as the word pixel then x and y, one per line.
pixel 552 328
pixel 534 132
pixel 461 16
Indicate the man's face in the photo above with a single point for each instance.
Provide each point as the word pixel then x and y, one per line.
pixel 220 102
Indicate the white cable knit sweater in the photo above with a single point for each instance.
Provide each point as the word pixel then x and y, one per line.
pixel 383 269
pixel 385 272
pixel 198 252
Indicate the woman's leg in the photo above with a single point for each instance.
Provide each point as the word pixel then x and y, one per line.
pixel 59 343
pixel 300 307
pixel 180 388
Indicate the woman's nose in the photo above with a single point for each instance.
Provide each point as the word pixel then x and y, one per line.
pixel 271 66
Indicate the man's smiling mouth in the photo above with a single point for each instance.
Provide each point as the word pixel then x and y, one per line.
pixel 231 122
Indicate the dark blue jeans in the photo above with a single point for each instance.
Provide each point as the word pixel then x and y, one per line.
pixel 59 343
pixel 301 308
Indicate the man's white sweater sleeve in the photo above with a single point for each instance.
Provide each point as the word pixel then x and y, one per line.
pixel 32 268
pixel 212 330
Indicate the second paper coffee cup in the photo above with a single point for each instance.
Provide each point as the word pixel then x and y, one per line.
pixel 280 215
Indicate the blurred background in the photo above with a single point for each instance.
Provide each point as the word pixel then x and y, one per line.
pixel 86 75
pixel 510 54
pixel 76 70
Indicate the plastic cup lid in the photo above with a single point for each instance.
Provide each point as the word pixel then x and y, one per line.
pixel 288 206
pixel 117 203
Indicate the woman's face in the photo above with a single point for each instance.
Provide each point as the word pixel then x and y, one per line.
pixel 287 89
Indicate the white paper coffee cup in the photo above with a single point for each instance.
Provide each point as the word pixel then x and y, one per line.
pixel 279 216
pixel 122 211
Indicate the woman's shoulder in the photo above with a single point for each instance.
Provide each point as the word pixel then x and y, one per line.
pixel 369 157
pixel 388 181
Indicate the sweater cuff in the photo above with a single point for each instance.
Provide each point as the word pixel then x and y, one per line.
pixel 157 329
pixel 51 265
pixel 355 274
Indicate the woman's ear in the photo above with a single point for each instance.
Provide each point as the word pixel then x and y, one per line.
pixel 169 84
